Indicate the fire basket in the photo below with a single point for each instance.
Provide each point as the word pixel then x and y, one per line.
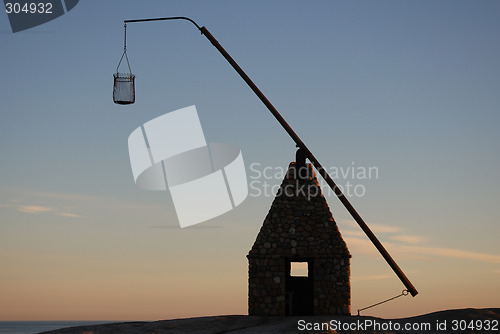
pixel 124 83
pixel 124 88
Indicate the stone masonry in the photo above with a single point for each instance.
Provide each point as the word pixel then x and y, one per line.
pixel 299 227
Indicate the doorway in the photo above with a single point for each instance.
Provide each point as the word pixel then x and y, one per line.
pixel 299 287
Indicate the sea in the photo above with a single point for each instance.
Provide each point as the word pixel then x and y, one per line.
pixel 32 327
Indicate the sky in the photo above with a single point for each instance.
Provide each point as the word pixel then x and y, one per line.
pixel 406 89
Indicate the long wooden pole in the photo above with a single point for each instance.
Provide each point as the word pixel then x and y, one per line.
pixel 385 254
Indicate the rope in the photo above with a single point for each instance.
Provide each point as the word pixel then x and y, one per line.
pixel 124 52
pixel 404 293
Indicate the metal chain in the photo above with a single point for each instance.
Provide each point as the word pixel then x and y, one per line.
pixel 404 293
pixel 124 54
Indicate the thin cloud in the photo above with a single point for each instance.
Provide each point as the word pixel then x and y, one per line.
pixel 365 247
pixel 34 202
pixel 370 277
pixel 377 228
pixel 34 208
pixel 68 214
pixel 39 209
pixel 409 239
pixel 361 246
pixel 454 253
pixel 73 198
pixel 352 233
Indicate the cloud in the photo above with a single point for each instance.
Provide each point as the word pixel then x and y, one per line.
pixel 38 209
pixel 73 199
pixel 353 233
pixel 361 246
pixel 377 228
pixel 34 208
pixel 68 214
pixel 409 239
pixel 453 253
pixel 370 277
pixel 406 246
pixel 69 205
pixel 399 251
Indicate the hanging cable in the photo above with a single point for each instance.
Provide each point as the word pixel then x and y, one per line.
pixel 124 52
pixel 404 293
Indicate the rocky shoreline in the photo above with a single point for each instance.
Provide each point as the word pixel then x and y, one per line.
pixel 449 321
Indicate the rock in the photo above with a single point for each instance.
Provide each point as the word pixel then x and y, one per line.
pixel 243 324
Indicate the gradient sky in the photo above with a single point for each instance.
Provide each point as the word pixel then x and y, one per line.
pixel 408 87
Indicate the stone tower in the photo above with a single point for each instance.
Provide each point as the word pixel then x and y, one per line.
pixel 299 232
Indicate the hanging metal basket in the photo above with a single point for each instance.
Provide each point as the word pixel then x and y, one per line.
pixel 124 83
pixel 124 88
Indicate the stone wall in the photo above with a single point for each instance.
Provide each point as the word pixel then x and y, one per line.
pixel 299 226
pixel 266 286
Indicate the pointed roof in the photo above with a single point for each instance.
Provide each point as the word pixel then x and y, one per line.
pixel 299 223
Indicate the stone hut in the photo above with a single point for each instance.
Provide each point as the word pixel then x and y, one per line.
pixel 299 263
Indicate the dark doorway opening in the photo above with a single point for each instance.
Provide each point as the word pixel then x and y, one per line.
pixel 299 287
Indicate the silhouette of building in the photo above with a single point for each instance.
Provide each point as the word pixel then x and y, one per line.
pixel 299 263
